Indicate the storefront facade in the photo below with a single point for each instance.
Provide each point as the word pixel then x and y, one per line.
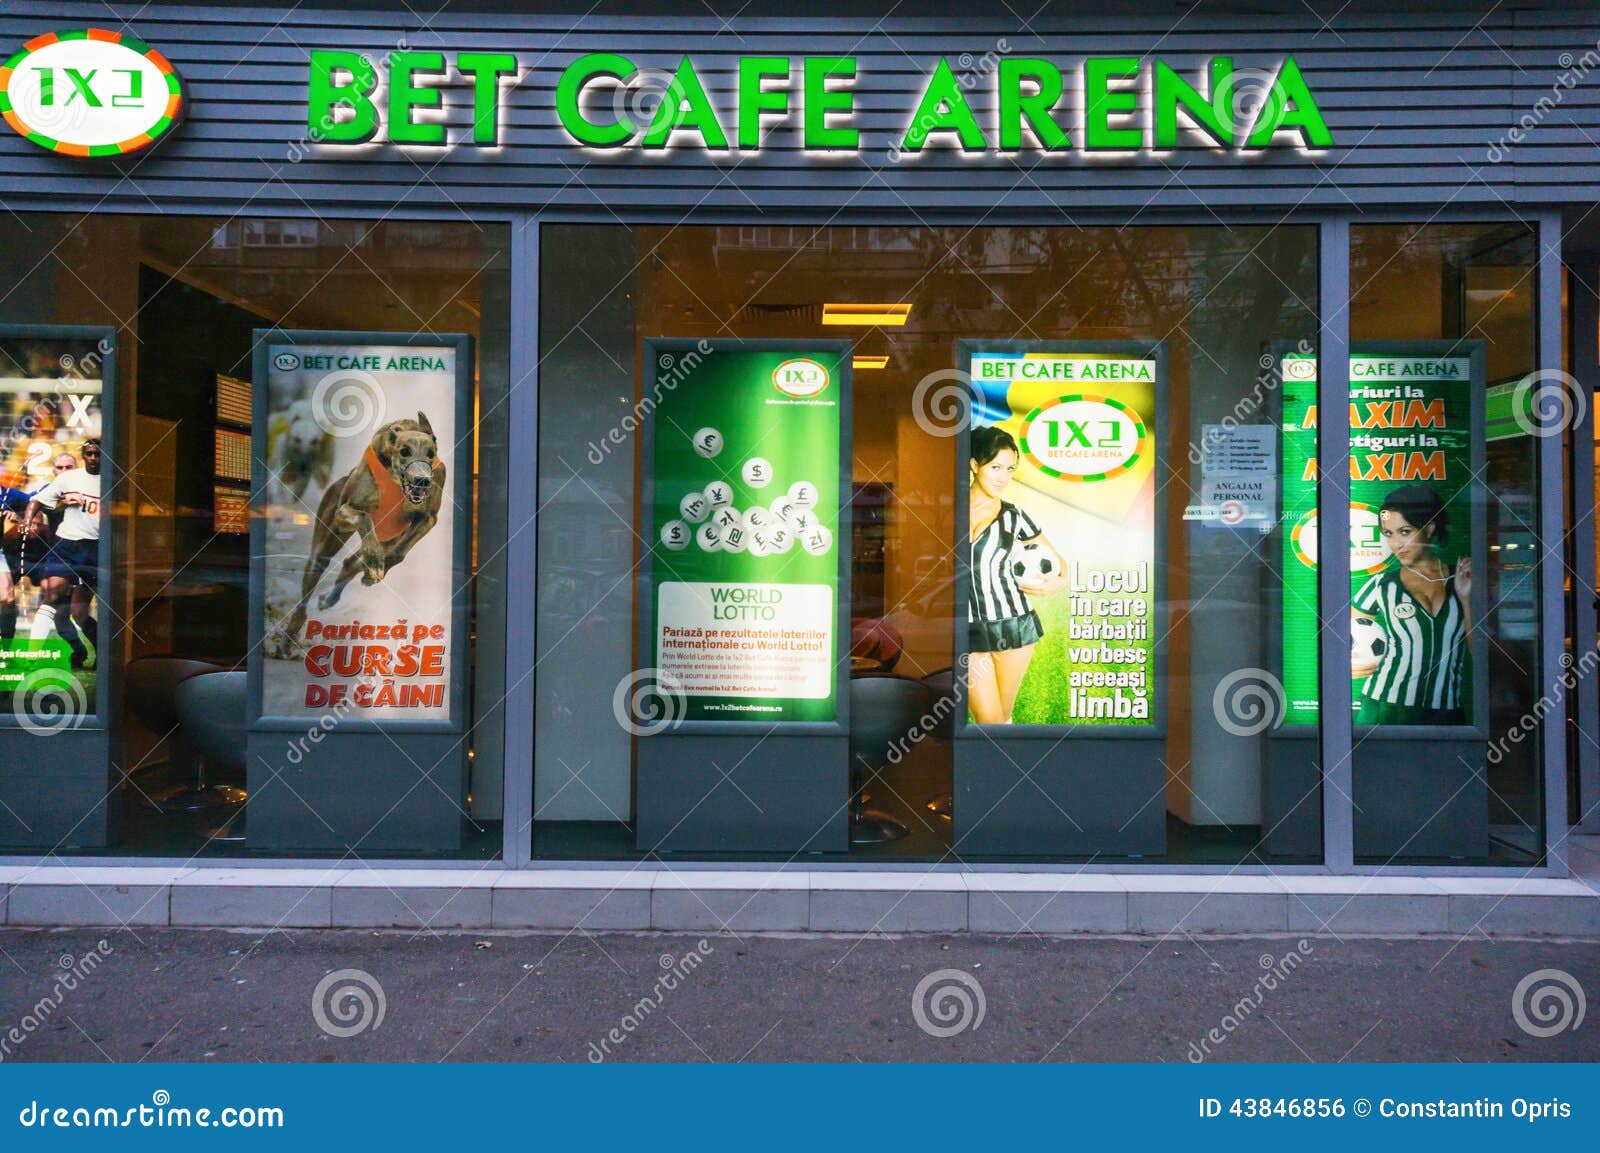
pixel 801 440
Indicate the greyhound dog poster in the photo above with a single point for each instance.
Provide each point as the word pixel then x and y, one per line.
pixel 357 498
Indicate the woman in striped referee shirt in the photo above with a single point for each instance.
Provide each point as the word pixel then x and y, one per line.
pixel 1002 625
pixel 1425 611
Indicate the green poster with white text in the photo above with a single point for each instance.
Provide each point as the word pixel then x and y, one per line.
pixel 744 574
pixel 1414 432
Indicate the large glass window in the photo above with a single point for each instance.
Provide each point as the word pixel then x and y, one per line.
pixel 1066 487
pixel 1445 548
pixel 246 475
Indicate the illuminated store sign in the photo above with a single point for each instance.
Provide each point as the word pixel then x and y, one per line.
pixel 94 93
pixel 1114 105
pixel 90 93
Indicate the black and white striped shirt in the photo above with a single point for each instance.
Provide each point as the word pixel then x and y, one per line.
pixel 994 594
pixel 1422 664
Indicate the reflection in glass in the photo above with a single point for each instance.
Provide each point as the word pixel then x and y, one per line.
pixel 1226 302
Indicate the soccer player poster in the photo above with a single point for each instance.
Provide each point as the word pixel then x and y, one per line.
pixel 362 459
pixel 1063 572
pixel 744 495
pixel 51 404
pixel 1416 448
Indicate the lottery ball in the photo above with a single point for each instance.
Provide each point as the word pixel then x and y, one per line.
pixel 757 472
pixel 803 493
pixel 707 442
pixel 675 535
pixel 818 541
pixel 694 507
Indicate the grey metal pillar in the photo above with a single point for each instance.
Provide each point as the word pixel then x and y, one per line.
pixel 1583 294
pixel 521 538
pixel 1552 526
pixel 1333 543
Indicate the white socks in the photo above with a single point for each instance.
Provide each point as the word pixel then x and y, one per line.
pixel 44 623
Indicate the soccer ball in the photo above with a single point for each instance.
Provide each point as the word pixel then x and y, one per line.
pixel 1034 560
pixel 707 442
pixel 1367 642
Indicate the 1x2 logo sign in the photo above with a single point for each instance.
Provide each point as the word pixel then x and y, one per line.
pixel 90 93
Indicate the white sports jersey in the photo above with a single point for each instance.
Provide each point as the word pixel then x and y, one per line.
pixel 78 521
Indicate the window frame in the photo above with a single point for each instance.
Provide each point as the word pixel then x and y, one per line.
pixel 1334 281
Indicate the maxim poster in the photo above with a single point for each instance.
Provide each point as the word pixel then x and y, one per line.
pixel 1415 427
pixel 51 393
pixel 1063 573
pixel 358 482
pixel 744 573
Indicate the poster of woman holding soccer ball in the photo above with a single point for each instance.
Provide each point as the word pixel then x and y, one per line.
pixel 1416 512
pixel 1063 576
pixel 1012 561
pixel 1413 671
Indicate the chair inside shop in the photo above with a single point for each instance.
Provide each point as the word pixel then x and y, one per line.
pixel 886 714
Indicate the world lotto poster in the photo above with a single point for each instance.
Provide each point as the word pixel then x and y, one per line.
pixel 1411 422
pixel 1087 427
pixel 744 572
pixel 50 408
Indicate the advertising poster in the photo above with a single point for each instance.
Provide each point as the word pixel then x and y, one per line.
pixel 51 391
pixel 1413 435
pixel 357 481
pixel 1062 584
pixel 744 574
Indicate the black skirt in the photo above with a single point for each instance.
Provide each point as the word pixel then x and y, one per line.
pixel 1006 634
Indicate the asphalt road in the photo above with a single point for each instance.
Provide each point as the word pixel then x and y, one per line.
pixel 178 995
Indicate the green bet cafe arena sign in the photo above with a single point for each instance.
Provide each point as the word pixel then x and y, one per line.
pixel 602 103
pixel 95 93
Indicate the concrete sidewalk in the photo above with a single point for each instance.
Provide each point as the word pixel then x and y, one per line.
pixel 191 995
pixel 696 899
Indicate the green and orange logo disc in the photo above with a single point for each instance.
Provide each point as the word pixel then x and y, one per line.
pixel 1368 553
pixel 90 93
pixel 1084 438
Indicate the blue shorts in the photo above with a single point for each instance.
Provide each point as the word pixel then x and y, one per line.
pixel 77 560
pixel 35 564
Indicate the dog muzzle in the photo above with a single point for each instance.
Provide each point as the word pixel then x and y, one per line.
pixel 416 479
